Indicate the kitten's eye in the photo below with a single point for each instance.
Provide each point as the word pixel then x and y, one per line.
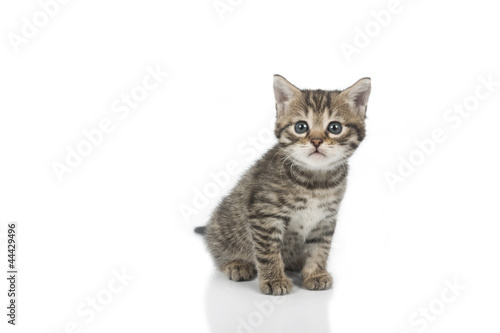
pixel 301 127
pixel 334 127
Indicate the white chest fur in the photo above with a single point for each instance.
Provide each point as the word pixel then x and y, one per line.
pixel 303 221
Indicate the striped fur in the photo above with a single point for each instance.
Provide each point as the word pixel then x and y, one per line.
pixel 282 213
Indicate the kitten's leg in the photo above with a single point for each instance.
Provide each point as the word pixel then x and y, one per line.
pixel 267 234
pixel 318 244
pixel 231 248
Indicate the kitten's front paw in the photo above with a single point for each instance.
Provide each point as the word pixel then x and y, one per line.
pixel 319 282
pixel 276 287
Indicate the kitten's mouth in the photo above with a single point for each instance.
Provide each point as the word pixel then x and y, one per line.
pixel 317 153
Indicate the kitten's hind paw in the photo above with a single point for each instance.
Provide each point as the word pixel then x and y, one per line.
pixel 240 271
pixel 319 282
pixel 276 287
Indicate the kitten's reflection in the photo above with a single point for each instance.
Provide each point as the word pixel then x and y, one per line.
pixel 240 307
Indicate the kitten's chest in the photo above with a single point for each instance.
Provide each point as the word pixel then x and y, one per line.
pixel 304 220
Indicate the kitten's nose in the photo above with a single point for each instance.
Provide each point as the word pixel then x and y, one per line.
pixel 316 142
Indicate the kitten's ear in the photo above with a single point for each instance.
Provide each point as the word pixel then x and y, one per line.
pixel 357 95
pixel 284 92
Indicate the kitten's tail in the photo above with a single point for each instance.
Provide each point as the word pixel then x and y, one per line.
pixel 200 230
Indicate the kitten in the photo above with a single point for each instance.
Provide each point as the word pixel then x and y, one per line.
pixel 282 213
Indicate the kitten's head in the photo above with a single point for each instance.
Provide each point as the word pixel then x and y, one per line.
pixel 319 129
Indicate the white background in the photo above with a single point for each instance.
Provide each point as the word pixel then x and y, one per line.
pixel 121 207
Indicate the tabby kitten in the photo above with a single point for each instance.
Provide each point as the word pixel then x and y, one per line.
pixel 282 213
